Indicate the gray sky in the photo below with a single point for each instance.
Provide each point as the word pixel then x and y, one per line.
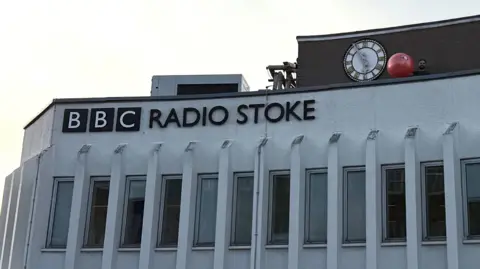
pixel 52 49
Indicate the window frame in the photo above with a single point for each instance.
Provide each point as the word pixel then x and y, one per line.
pixel 236 176
pixel 53 205
pixel 466 216
pixel 198 206
pixel 346 170
pixel 423 166
pixel 271 177
pixel 308 173
pixel 128 180
pixel 88 218
pixel 386 167
pixel 163 196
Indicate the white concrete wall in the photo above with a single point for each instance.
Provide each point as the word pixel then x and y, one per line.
pixel 354 113
pixel 37 136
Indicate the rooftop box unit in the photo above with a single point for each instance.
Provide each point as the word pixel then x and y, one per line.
pixel 197 84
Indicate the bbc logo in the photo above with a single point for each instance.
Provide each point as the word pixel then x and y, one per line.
pixel 122 119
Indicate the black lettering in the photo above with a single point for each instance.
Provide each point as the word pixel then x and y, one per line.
pixel 242 114
pixel 279 117
pixel 290 111
pixel 204 116
pixel 155 115
pixel 188 110
pixel 172 118
pixel 75 120
pixel 255 114
pixel 128 119
pixel 307 109
pixel 212 111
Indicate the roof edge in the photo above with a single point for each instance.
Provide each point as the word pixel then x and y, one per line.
pixel 331 87
pixel 389 30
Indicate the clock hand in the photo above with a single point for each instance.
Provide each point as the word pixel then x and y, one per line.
pixel 363 58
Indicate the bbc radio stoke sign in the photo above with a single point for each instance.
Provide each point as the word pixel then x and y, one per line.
pixel 128 119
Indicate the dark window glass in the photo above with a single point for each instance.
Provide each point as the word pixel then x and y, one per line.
pixel 171 211
pixel 472 172
pixel 206 211
pixel 435 201
pixel 280 209
pixel 243 205
pixel 316 207
pixel 355 207
pixel 98 213
pixel 134 212
pixel 61 215
pixel 395 204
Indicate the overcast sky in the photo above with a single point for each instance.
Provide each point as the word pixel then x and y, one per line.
pixel 53 49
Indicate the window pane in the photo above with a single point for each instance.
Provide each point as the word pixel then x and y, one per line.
pixel 134 214
pixel 280 209
pixel 316 231
pixel 355 207
pixel 395 203
pixel 61 215
pixel 243 210
pixel 435 199
pixel 207 213
pixel 472 172
pixel 98 213
pixel 171 211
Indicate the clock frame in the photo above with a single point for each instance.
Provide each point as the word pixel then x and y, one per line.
pixel 365 60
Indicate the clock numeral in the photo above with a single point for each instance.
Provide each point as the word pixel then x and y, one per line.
pixel 365 44
pixel 356 75
pixel 350 69
pixel 381 58
pixel 348 63
pixel 379 50
pixel 378 67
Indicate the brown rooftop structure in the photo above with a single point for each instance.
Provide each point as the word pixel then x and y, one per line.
pixel 440 46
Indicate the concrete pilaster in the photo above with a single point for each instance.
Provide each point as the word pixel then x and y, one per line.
pixel 260 207
pixel 10 218
pixel 115 210
pixel 152 209
pixel 297 205
pixel 373 202
pixel 334 213
pixel 78 211
pixel 224 207
pixel 412 200
pixel 452 181
pixel 187 208
pixel 27 177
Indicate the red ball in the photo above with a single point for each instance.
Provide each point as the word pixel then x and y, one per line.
pixel 400 65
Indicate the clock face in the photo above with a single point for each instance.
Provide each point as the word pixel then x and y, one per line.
pixel 365 60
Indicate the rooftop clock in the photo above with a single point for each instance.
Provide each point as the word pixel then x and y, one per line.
pixel 365 60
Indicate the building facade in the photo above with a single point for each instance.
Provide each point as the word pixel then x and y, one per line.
pixel 362 175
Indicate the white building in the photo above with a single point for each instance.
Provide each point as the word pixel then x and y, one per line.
pixel 373 175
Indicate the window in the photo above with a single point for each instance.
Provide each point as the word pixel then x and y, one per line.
pixel 172 192
pixel 206 210
pixel 434 201
pixel 316 207
pixel 279 207
pixel 60 213
pixel 394 203
pixel 242 209
pixel 97 212
pixel 133 211
pixel 354 205
pixel 471 175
